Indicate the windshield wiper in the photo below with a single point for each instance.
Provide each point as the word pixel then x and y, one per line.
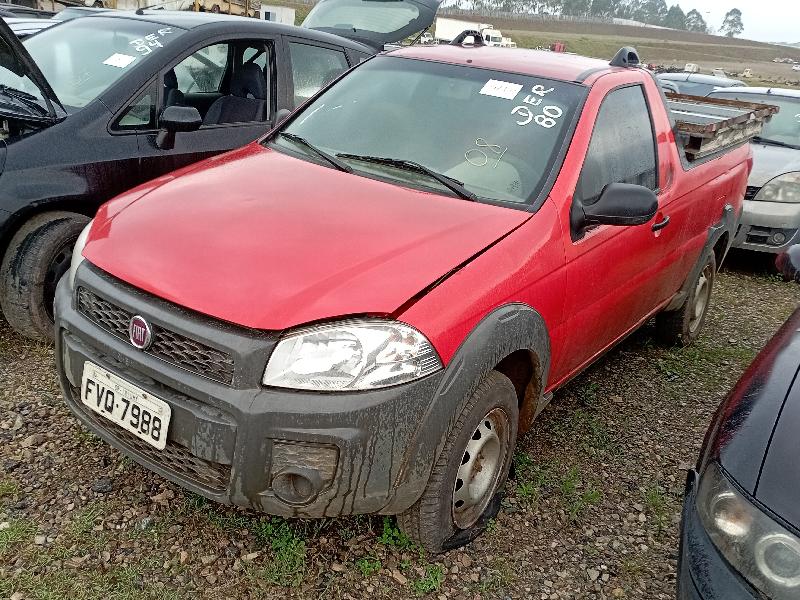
pixel 318 151
pixel 454 185
pixel 769 142
pixel 28 100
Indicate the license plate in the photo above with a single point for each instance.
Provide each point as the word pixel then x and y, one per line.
pixel 130 407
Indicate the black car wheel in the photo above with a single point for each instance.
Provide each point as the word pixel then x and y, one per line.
pixel 36 258
pixel 462 494
pixel 681 327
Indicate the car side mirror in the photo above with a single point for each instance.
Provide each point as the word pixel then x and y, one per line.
pixel 177 119
pixel 619 204
pixel 788 263
pixel 281 116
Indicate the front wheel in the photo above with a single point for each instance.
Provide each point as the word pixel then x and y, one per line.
pixel 36 258
pixel 463 492
pixel 682 327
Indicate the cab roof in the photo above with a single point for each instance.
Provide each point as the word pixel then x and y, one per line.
pixel 538 63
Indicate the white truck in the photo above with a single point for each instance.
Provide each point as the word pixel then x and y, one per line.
pixel 448 29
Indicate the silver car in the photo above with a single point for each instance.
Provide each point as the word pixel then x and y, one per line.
pixel 771 218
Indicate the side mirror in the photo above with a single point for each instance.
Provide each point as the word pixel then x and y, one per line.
pixel 177 119
pixel 788 263
pixel 281 116
pixel 620 204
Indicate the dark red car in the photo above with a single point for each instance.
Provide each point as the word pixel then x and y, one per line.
pixel 360 312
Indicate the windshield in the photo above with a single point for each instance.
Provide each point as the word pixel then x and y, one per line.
pixel 496 133
pixel 357 15
pixel 82 58
pixel 783 128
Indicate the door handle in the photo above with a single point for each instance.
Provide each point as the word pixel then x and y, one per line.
pixel 661 225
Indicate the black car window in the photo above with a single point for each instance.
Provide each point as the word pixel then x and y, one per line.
pixel 141 113
pixel 202 72
pixel 622 149
pixel 313 67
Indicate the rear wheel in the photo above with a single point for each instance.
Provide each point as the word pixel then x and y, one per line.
pixel 682 327
pixel 36 258
pixel 463 492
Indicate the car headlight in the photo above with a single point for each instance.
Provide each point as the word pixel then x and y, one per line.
pixel 77 254
pixel 351 355
pixel 761 550
pixel 783 188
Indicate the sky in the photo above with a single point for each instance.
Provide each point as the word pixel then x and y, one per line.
pixel 764 20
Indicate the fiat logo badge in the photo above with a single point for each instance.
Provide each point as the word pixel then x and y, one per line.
pixel 140 333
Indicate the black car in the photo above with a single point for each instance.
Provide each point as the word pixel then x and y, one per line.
pixel 740 536
pixel 9 10
pixel 95 106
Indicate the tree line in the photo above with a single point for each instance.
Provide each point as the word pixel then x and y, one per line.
pixel 653 12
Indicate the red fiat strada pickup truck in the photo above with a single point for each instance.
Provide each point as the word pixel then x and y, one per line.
pixel 360 312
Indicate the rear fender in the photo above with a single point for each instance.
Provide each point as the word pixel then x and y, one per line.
pixel 726 225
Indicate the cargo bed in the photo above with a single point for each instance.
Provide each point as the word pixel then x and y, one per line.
pixel 706 126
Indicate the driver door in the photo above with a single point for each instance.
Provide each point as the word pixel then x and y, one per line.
pixel 202 80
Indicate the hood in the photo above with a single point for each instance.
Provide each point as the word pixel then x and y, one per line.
pixel 267 241
pixel 781 464
pixel 13 103
pixel 771 161
pixel 373 22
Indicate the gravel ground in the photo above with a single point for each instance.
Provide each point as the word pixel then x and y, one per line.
pixel 593 511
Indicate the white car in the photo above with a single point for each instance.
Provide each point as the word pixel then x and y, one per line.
pixel 796 68
pixel 770 221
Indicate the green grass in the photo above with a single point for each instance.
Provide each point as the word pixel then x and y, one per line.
pixel 393 536
pixel 655 500
pixel 576 495
pixel 8 488
pixel 286 565
pixel 368 565
pixel 430 582
pixel 16 532
pixel 119 583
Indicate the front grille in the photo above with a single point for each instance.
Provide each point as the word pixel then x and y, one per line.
pixel 170 346
pixel 751 192
pixel 174 458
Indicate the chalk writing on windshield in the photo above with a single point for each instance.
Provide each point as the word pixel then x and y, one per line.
pixel 478 156
pixel 146 44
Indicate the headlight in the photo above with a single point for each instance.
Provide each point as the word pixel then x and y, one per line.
pixel 763 552
pixel 77 254
pixel 351 355
pixel 784 188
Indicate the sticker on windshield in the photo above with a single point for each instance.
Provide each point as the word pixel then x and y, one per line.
pixel 501 89
pixel 146 44
pixel 119 60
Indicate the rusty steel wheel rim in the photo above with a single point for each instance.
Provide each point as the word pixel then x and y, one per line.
pixel 482 462
pixel 702 295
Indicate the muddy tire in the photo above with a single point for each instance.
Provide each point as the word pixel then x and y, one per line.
pixel 682 327
pixel 36 258
pixel 464 490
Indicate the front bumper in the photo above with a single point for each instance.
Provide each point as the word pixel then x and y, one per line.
pixel 236 442
pixel 703 573
pixel 768 226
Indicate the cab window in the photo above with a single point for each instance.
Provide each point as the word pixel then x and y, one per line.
pixel 622 149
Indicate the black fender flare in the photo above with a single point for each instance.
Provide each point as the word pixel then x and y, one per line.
pixel 507 329
pixel 727 224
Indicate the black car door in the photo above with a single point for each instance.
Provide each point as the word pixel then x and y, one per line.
pixel 208 78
